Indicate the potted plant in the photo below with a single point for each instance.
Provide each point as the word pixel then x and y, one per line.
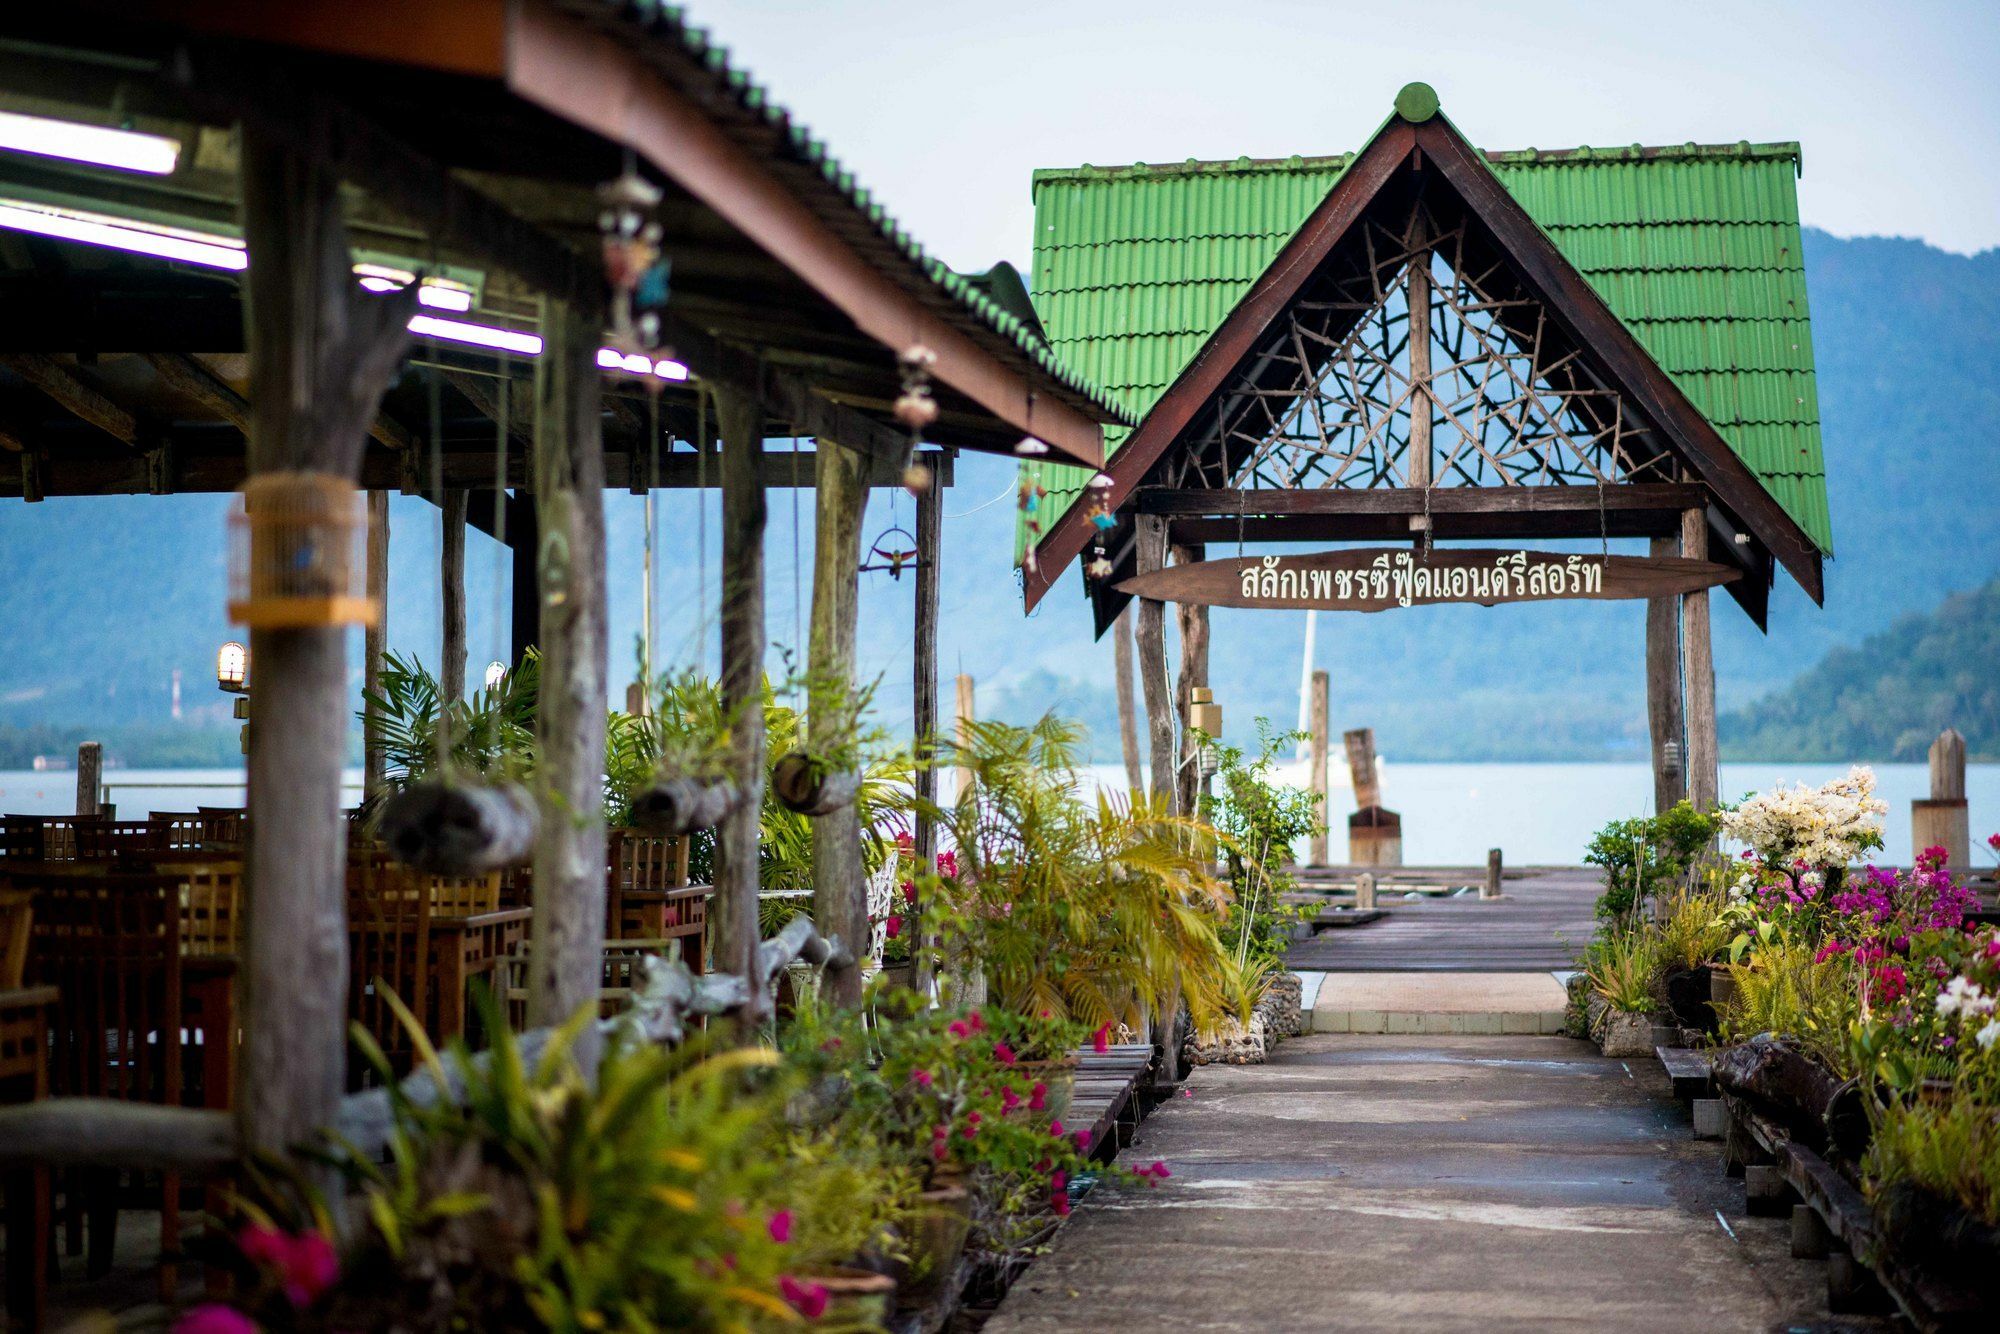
pixel 689 731
pixel 822 771
pixel 1620 966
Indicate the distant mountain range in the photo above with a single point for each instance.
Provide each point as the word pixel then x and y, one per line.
pixel 104 599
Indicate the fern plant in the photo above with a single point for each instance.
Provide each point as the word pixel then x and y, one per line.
pixel 492 734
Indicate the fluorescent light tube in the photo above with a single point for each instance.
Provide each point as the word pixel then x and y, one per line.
pixel 127 150
pixel 217 253
pixel 478 335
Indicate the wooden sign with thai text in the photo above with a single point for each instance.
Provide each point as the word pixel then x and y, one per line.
pixel 1376 578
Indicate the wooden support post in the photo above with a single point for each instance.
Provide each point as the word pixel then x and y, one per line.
pixel 1704 779
pixel 1128 722
pixel 1421 403
pixel 322 353
pixel 924 689
pixel 1942 821
pixel 1491 889
pixel 964 713
pixel 740 420
pixel 566 935
pixel 375 644
pixel 1153 683
pixel 451 579
pixel 89 773
pixel 840 887
pixel 1364 892
pixel 524 535
pixel 1663 693
pixel 1193 625
pixel 1318 707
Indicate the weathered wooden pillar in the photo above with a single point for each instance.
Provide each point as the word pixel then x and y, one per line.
pixel 1704 778
pixel 524 611
pixel 924 692
pixel 1128 723
pixel 1419 295
pixel 1151 634
pixel 375 643
pixel 840 889
pixel 451 579
pixel 964 713
pixel 89 772
pixel 740 420
pixel 322 352
pixel 1193 625
pixel 1319 741
pixel 1942 821
pixel 1663 693
pixel 566 936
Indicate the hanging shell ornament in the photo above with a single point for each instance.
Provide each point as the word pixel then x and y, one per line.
pixel 1100 482
pixel 1030 447
pixel 918 478
pixel 915 407
pixel 1099 567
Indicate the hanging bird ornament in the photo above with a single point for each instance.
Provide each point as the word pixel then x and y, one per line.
pixel 634 269
pixel 886 554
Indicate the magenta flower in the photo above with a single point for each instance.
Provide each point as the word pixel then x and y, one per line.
pixel 780 1226
pixel 1055 1128
pixel 922 1077
pixel 893 926
pixel 1009 1100
pixel 1083 1141
pixel 1187 1092
pixel 975 1023
pixel 310 1269
pixel 1059 1192
pixel 808 1299
pixel 1101 1039
pixel 1003 1053
pixel 958 1029
pixel 1037 1096
pixel 214 1318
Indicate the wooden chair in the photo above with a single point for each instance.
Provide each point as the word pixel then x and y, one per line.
pixel 24 1077
pixel 17 913
pixel 110 943
pixel 178 831
pixel 222 827
pixel 97 839
pixel 41 838
pixel 624 971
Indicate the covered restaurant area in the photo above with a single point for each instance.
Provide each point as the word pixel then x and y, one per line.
pixel 503 256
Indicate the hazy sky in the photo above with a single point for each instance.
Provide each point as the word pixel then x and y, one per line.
pixel 945 108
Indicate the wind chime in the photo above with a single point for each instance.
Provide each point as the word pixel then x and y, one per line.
pixel 1102 521
pixel 635 271
pixel 916 409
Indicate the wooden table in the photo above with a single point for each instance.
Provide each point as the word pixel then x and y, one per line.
pixel 24 1065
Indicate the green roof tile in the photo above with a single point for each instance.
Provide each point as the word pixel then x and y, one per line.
pixel 1696 248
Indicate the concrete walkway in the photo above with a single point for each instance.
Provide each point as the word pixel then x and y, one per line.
pixel 1422 1183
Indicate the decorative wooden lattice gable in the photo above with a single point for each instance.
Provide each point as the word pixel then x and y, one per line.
pixel 1310 378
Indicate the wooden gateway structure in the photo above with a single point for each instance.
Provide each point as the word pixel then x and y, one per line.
pixel 374 243
pixel 1422 344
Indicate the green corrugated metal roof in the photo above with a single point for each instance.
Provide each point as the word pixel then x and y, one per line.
pixel 1696 248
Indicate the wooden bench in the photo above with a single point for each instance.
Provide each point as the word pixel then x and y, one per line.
pixel 1689 1071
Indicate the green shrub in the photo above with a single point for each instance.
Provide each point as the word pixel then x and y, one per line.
pixel 1786 989
pixel 1621 968
pixel 1647 855
pixel 1950 1148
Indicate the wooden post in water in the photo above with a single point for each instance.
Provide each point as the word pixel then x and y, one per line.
pixel 1491 889
pixel 375 644
pixel 1128 723
pixel 924 692
pixel 740 421
pixel 566 935
pixel 1152 645
pixel 1193 624
pixel 451 580
pixel 322 352
pixel 840 889
pixel 1374 833
pixel 89 773
pixel 1704 778
pixel 1319 742
pixel 1942 821
pixel 1663 693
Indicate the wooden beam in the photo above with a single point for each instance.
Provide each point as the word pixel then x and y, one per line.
pixel 567 932
pixel 1698 673
pixel 374 644
pixel 1444 527
pixel 840 888
pixel 322 353
pixel 1404 501
pixel 924 689
pixel 1153 683
pixel 1193 625
pixel 1664 722
pixel 1417 292
pixel 180 371
pixel 740 420
pixel 61 382
pixel 595 82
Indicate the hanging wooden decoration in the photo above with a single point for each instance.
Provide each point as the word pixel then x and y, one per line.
pixel 454 828
pixel 683 805
pixel 296 557
pixel 805 785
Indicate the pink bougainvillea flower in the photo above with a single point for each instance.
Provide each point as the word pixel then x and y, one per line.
pixel 1059 1192
pixel 910 892
pixel 975 1023
pixel 893 926
pixel 939 1151
pixel 1083 1141
pixel 1187 1092
pixel 1038 1096
pixel 310 1268
pixel 264 1246
pixel 780 1226
pixel 922 1077
pixel 1055 1128
pixel 906 840
pixel 958 1028
pixel 1003 1053
pixel 1009 1100
pixel 214 1318
pixel 1101 1039
pixel 970 1131
pixel 808 1299
pixel 947 863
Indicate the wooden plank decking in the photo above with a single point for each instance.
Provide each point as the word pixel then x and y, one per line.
pixel 1540 923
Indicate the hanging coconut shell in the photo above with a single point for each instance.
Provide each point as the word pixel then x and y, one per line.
pixel 683 805
pixel 803 785
pixel 450 827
